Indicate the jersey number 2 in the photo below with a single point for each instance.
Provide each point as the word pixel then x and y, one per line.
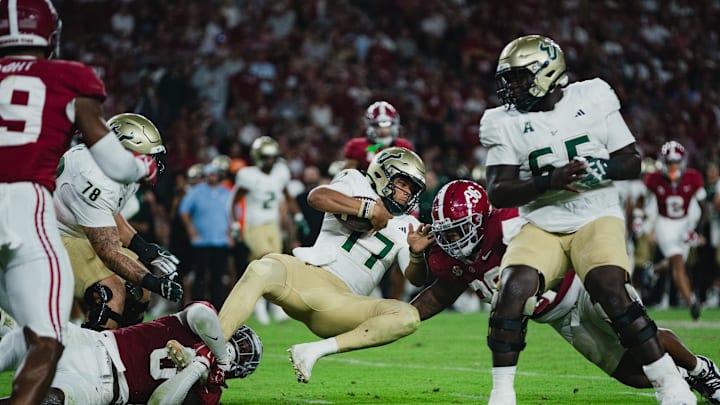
pixel 22 99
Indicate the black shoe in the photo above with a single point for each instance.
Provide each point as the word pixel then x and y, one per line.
pixel 707 383
pixel 695 310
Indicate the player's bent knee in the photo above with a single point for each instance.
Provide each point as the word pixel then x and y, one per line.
pixel 409 319
pixel 633 326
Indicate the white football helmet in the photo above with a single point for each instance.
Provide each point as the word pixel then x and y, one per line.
pixel 382 123
pixel 673 152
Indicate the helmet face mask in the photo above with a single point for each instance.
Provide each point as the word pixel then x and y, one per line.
pixel 528 69
pixel 385 169
pixel 459 213
pixel 382 123
pixel 30 24
pixel 245 351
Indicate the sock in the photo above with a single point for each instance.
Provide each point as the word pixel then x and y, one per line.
pixel 503 377
pixel 326 346
pixel 659 370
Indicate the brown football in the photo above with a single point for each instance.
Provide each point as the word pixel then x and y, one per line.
pixel 355 223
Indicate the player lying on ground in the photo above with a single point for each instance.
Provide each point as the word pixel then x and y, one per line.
pixel 469 236
pixel 135 364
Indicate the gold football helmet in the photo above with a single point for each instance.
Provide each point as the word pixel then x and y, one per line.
pixel 264 147
pixel 529 67
pixel 393 162
pixel 222 162
pixel 137 133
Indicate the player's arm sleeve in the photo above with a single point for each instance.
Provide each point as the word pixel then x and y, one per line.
pixel 116 161
pixel 618 133
pixel 175 389
pixel 500 149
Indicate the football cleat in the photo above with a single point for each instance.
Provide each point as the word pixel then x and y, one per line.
pixel 302 362
pixel 695 310
pixel 180 355
pixel 707 383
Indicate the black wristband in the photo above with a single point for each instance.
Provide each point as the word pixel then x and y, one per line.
pixel 142 248
pixel 151 283
pixel 542 182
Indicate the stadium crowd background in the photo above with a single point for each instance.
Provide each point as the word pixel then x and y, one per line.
pixel 216 74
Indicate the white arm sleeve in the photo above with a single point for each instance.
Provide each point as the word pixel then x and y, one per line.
pixel 174 390
pixel 115 161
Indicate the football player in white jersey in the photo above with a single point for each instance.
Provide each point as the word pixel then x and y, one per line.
pixel 326 286
pixel 264 187
pixel 88 205
pixel 553 151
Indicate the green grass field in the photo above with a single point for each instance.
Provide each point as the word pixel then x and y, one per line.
pixel 446 362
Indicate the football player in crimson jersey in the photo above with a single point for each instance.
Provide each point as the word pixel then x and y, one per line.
pixel 168 360
pixel 554 150
pixel 675 189
pixel 42 103
pixel 470 246
pixel 382 130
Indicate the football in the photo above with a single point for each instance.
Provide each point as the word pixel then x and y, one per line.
pixel 354 222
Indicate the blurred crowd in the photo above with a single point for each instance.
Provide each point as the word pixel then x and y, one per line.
pixel 214 75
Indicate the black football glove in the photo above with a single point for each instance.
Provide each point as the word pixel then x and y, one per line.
pixel 154 256
pixel 163 286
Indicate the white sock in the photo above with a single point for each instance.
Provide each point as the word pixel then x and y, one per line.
pixel 325 347
pixel 699 368
pixel 503 377
pixel 660 369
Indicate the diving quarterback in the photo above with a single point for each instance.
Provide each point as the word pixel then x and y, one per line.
pixel 553 151
pixel 326 286
pixel 470 246
pixel 88 205
pixel 42 103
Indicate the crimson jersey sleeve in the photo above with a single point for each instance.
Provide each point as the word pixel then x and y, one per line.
pixel 36 98
pixel 142 350
pixel 403 143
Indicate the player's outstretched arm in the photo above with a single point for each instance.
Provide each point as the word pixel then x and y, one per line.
pixel 106 243
pixel 438 296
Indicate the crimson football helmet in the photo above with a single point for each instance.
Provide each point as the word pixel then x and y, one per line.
pixel 382 123
pixel 245 350
pixel 30 23
pixel 459 212
pixel 673 152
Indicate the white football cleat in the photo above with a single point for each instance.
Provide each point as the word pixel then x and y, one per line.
pixel 180 355
pixel 303 361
